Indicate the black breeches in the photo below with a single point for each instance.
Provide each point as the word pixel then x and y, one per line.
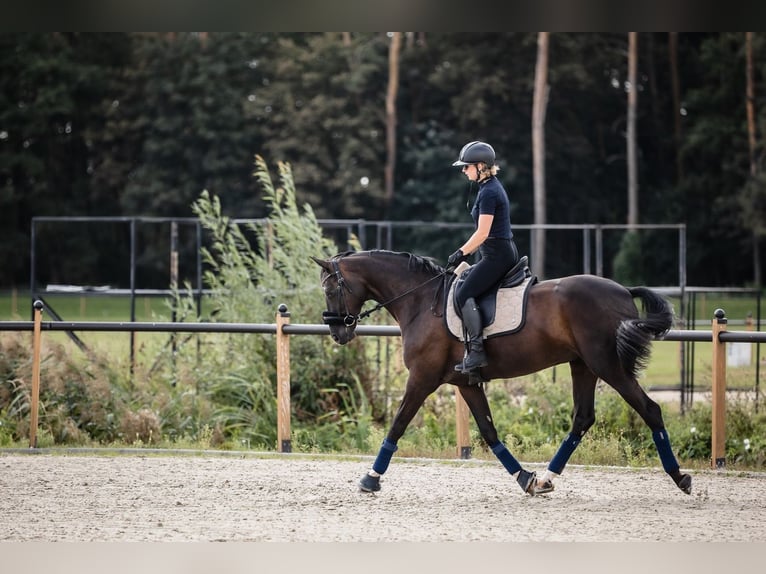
pixel 497 258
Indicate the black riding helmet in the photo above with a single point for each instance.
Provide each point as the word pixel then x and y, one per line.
pixel 475 152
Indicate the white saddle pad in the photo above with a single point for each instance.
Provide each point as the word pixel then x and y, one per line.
pixel 509 312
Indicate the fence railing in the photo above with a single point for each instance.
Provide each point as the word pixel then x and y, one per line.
pixel 283 329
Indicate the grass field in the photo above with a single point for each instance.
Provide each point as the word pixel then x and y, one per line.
pixel 664 368
pixel 17 307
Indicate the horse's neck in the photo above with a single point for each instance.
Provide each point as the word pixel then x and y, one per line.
pixel 387 283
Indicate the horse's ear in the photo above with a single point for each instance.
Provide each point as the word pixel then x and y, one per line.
pixel 322 263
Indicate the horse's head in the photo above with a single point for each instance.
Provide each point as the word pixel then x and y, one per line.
pixel 344 295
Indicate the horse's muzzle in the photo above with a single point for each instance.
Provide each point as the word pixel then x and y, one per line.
pixel 342 336
pixel 341 326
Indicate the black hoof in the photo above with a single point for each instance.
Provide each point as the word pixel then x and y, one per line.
pixel 685 483
pixel 527 481
pixel 369 483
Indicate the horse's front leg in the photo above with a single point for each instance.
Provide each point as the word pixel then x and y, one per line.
pixel 476 400
pixel 415 393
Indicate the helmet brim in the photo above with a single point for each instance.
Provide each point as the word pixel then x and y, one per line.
pixel 460 163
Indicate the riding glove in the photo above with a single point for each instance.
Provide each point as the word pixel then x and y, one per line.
pixel 456 258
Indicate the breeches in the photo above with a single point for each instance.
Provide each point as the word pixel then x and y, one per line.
pixel 498 256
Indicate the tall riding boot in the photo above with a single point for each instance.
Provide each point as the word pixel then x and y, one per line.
pixel 476 357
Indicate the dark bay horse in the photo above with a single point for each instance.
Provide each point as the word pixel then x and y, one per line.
pixel 589 322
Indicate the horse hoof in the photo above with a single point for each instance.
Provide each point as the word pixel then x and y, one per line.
pixel 527 481
pixel 541 487
pixel 369 483
pixel 685 483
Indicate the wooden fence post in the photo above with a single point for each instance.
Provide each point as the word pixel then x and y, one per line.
pixel 283 381
pixel 461 426
pixel 34 405
pixel 718 446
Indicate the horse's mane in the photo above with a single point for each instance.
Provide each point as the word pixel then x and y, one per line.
pixel 419 263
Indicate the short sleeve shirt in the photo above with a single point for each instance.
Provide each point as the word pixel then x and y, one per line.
pixel 493 200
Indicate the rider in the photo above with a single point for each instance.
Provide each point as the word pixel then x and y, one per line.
pixel 494 240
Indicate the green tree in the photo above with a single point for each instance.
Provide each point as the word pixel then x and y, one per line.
pixel 715 155
pixel 53 89
pixel 186 113
pixel 323 107
pixel 139 124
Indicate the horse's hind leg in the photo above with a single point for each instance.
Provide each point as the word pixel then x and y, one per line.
pixel 583 417
pixel 651 413
pixel 477 402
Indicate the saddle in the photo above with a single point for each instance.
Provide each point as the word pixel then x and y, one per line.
pixel 502 307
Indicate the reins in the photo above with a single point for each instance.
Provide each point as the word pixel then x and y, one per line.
pixel 349 320
pixel 380 306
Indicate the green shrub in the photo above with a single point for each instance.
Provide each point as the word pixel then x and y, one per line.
pixel 628 263
pixel 251 270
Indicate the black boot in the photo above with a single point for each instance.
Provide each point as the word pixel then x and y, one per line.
pixel 476 357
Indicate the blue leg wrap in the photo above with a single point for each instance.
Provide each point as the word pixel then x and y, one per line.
pixel 662 442
pixel 560 459
pixel 387 450
pixel 504 455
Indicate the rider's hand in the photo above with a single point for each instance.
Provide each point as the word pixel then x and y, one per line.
pixel 456 258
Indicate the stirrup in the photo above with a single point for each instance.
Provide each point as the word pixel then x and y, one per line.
pixel 462 368
pixel 475 378
pixel 474 375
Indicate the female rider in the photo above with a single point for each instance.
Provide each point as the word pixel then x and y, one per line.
pixel 493 239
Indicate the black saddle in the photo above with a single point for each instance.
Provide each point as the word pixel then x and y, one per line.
pixel 487 301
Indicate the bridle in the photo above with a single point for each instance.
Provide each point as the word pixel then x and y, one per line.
pixel 347 318
pixel 330 318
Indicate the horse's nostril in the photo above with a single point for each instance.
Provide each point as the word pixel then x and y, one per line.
pixel 335 338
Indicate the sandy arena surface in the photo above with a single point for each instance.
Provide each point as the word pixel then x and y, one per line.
pixel 299 498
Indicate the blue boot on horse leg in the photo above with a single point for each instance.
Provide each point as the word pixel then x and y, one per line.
pixel 526 479
pixel 370 482
pixel 569 444
pixel 557 464
pixel 669 462
pixel 476 399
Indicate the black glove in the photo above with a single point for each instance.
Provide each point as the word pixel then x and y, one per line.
pixel 456 258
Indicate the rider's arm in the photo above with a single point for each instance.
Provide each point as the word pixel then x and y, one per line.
pixel 481 233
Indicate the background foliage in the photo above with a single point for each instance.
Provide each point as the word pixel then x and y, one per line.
pixel 222 390
pixel 140 124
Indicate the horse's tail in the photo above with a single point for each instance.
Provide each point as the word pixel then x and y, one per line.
pixel 634 336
